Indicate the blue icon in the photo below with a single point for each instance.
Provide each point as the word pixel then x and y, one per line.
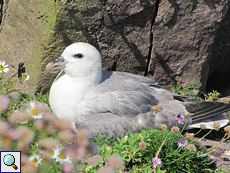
pixel 9 160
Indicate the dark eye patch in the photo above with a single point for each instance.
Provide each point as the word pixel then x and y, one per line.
pixel 79 55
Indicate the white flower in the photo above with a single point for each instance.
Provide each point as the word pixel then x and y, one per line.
pixel 47 154
pixel 24 122
pixel 32 111
pixel 35 159
pixel 60 156
pixel 3 67
pixel 25 77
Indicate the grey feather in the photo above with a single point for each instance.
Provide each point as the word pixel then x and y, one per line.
pixel 126 100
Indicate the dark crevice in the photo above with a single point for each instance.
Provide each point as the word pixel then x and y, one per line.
pixel 151 35
pixel 218 77
pixel 3 8
pixel 1 11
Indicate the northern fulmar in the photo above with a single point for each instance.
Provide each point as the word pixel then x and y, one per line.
pixel 117 103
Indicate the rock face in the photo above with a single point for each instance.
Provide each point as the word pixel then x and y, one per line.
pixel 193 36
pixel 25 26
pixel 190 39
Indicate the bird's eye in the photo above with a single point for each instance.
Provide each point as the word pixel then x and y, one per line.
pixel 79 55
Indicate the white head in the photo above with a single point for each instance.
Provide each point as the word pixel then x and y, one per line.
pixel 80 60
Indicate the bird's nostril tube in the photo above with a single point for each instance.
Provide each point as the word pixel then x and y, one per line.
pixel 60 59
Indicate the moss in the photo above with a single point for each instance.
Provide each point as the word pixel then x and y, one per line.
pixel 66 29
pixel 48 15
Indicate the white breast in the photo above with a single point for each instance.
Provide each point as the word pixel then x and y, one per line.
pixel 65 95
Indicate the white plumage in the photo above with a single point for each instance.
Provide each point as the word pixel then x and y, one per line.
pixel 117 103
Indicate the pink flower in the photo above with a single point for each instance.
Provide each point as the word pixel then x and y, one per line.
pixel 67 167
pixel 4 101
pixel 76 153
pixel 142 145
pixel 13 134
pixel 106 170
pixel 115 162
pixel 180 118
pixel 182 143
pixel 157 162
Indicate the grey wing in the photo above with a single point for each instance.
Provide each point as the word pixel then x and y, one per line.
pixel 121 81
pixel 120 104
pixel 122 94
pixel 113 125
pixel 126 100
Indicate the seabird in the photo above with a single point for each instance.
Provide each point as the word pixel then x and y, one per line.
pixel 116 103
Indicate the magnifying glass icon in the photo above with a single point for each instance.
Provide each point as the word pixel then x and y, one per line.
pixel 9 160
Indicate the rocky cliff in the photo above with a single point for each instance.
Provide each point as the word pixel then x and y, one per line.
pixel 188 41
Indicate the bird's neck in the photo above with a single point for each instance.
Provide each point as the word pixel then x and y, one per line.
pixel 84 82
pixel 78 87
pixel 67 92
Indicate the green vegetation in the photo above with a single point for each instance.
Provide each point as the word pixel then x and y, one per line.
pixel 188 90
pixel 174 158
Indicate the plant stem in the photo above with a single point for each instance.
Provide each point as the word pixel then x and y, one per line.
pixel 184 125
pixel 30 90
pixel 159 150
pixel 152 121
pixel 205 135
pixel 197 132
